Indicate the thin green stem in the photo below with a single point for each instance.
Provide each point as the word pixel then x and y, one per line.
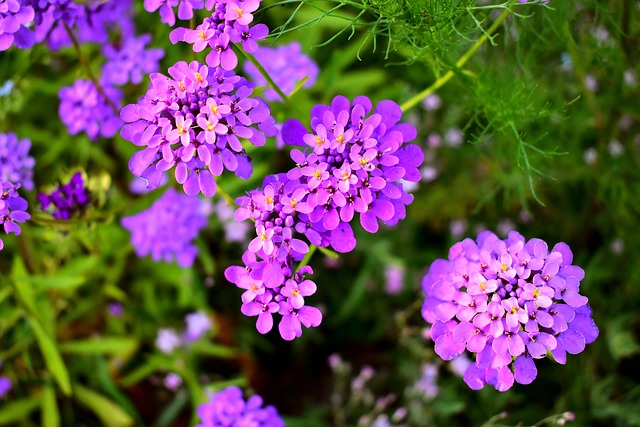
pixel 262 71
pixel 87 69
pixel 461 62
pixel 307 257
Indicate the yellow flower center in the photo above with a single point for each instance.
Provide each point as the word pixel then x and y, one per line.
pixel 210 126
pixel 181 130
pixel 340 139
pixel 504 267
pixel 238 12
pixel 214 109
pixel 181 84
pixel 253 287
pixel 514 310
pixel 199 77
pixel 263 237
pixel 483 285
pixel 536 293
pixel 293 202
pixel 319 141
pixel 202 35
pixel 295 292
pixel 363 161
pixel 317 174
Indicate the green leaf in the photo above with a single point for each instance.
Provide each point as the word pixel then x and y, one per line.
pixel 57 282
pixel 172 410
pixel 106 345
pixel 211 349
pixel 52 357
pixel 109 413
pixel 17 410
pixel 22 285
pixel 50 414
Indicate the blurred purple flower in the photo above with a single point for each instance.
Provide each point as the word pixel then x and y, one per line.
pixel 286 65
pixel 167 228
pixel 165 7
pixel 115 309
pixel 394 279
pixel 84 109
pixel 167 340
pixel 16 166
pixel 130 61
pixel 172 381
pixel 198 324
pixel 228 408
pixel 427 383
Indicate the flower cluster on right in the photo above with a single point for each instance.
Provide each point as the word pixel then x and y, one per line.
pixel 508 301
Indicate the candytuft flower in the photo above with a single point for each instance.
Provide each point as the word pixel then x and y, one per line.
pixel 194 121
pixel 509 302
pixel 12 209
pixel 352 165
pixel 228 408
pixel 130 61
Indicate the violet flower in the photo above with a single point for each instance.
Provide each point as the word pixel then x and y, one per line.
pixel 509 302
pixel 228 408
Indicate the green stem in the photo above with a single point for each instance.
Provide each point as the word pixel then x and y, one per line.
pixel 461 62
pixel 262 71
pixel 307 257
pixel 88 71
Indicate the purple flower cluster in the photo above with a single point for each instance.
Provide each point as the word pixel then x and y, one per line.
pixel 286 65
pixel 228 408
pixel 15 16
pixel 198 324
pixel 84 109
pixel 130 61
pixel 352 164
pixel 12 209
pixel 16 166
pixel 68 199
pixel 228 23
pixel 166 230
pixel 26 22
pixel 508 301
pixel 194 120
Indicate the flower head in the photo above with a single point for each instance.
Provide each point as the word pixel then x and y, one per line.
pixel 228 408
pixel 510 302
pixel 194 121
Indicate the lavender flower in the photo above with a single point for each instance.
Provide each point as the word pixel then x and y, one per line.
pixel 228 23
pixel 228 408
pixel 16 166
pixel 394 279
pixel 84 109
pixel 198 324
pixel 12 209
pixel 286 65
pixel 193 121
pixel 172 381
pixel 130 61
pixel 510 302
pixel 68 199
pixel 167 340
pixel 166 230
